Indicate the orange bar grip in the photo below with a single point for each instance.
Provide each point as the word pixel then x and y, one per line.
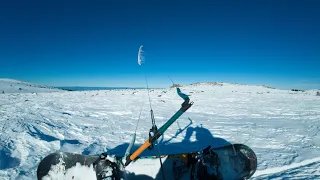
pixel 140 150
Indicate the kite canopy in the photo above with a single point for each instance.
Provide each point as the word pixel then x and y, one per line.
pixel 140 55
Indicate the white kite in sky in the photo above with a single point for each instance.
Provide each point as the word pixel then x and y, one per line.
pixel 140 55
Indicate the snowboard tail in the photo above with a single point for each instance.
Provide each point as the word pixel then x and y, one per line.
pixel 236 161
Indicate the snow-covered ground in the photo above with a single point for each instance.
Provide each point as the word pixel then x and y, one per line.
pixel 281 126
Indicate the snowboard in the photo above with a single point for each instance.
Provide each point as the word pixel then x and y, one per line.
pixel 235 161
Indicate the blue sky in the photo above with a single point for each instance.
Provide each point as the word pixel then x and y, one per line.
pixel 95 43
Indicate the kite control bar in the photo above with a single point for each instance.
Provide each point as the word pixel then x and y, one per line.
pixel 184 107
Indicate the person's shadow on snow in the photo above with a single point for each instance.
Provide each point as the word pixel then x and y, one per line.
pixel 203 138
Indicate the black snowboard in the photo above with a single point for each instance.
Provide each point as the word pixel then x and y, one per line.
pixel 236 161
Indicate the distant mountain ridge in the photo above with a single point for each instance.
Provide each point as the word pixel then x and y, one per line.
pixel 85 88
pixel 17 86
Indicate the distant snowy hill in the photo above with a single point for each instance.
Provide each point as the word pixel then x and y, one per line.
pixel 281 126
pixel 220 87
pixel 15 86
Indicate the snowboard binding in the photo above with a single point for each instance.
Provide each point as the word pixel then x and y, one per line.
pixel 205 165
pixel 105 169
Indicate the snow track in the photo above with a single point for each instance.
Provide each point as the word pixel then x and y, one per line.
pixel 308 166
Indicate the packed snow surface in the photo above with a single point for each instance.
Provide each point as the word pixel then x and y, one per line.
pixel 281 126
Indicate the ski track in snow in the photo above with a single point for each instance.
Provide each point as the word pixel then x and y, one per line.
pixel 281 171
pixel 281 126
